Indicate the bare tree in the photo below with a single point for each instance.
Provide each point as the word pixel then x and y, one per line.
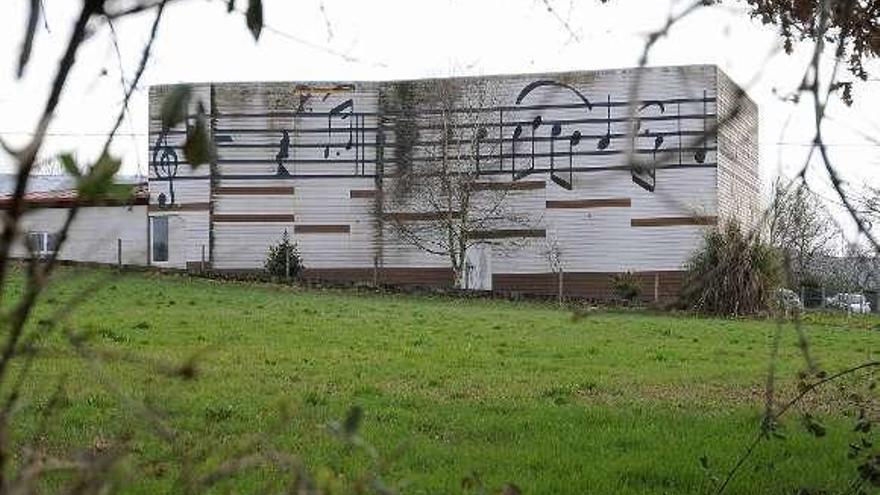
pixel 801 228
pixel 854 270
pixel 557 265
pixel 440 200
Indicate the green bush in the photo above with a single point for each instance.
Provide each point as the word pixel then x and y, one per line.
pixel 733 274
pixel 283 259
pixel 626 286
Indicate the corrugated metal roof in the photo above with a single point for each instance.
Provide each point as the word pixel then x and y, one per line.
pixel 56 191
pixel 55 182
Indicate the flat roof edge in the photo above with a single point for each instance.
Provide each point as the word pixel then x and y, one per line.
pixel 452 77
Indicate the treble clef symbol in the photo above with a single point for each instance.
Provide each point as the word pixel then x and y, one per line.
pixel 165 166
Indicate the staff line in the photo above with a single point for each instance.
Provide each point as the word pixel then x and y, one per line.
pixel 345 145
pixel 609 168
pixel 489 157
pixel 434 111
pixel 506 124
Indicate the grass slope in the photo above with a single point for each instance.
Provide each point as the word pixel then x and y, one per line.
pixel 521 392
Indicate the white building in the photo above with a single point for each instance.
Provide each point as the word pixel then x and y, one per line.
pixel 107 231
pixel 613 171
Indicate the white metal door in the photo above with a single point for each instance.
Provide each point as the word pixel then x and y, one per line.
pixel 479 267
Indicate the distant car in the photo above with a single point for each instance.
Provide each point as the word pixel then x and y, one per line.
pixel 788 299
pixel 849 302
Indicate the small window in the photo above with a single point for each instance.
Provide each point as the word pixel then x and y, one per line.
pixel 51 243
pixel 160 238
pixel 41 243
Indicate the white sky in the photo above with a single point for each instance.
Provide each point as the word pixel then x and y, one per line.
pixel 396 39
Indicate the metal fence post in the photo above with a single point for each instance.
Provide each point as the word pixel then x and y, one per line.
pixel 119 252
pixel 656 287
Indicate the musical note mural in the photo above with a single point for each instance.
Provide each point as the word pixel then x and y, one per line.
pixel 533 128
pixel 582 151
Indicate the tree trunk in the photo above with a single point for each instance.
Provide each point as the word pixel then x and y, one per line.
pixel 561 293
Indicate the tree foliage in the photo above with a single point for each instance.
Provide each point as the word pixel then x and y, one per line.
pixel 852 25
pixel 283 259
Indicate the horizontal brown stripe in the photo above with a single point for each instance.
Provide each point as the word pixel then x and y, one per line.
pixel 362 193
pixel 255 191
pixel 322 229
pixel 6 204
pixel 507 233
pixel 591 285
pixel 509 186
pixel 670 221
pixel 247 218
pixel 415 216
pixel 591 203
pixel 181 207
pixel 411 276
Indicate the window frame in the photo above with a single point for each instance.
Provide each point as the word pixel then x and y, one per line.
pixel 46 242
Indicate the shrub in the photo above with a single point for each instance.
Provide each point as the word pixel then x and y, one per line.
pixel 283 259
pixel 732 274
pixel 626 286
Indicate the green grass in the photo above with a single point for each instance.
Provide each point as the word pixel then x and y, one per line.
pixel 621 402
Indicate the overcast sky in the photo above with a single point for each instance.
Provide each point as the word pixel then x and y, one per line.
pixel 395 39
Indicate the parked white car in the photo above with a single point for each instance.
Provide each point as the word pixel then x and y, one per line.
pixel 853 303
pixel 788 299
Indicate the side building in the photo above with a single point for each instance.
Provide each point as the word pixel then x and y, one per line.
pixel 104 231
pixel 588 173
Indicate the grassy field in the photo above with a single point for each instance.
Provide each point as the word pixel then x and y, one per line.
pixel 623 402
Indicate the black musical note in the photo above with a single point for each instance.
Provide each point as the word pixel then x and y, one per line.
pixel 700 155
pixel 536 122
pixel 283 153
pixel 165 165
pixel 658 142
pixel 573 140
pixel 605 141
pixel 517 132
pixel 646 177
pixel 340 110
